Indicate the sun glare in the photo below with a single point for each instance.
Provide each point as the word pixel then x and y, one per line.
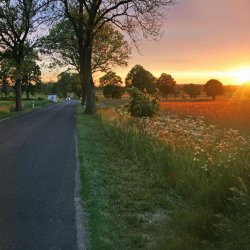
pixel 242 75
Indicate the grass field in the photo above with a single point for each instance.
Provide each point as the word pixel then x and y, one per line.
pixel 176 181
pixel 7 107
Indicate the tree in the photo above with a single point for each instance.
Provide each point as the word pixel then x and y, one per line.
pixel 64 83
pixel 113 91
pixel 213 88
pixel 6 76
pixel 67 82
pixel 166 85
pixel 76 85
pixel 141 79
pixel 31 74
pixel 89 17
pixel 109 48
pixel 192 90
pixel 110 78
pixel 18 20
pixel 112 85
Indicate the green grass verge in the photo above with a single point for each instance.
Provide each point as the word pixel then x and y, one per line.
pixel 207 209
pixel 126 201
pixel 140 194
pixel 7 108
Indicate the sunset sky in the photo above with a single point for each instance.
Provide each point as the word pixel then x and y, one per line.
pixel 203 39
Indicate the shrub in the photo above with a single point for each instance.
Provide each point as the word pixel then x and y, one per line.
pixel 41 98
pixel 142 104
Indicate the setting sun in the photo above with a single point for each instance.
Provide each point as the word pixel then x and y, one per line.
pixel 243 75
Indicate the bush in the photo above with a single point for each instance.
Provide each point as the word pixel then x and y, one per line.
pixel 41 98
pixel 142 104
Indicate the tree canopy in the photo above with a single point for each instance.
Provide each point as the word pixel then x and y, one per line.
pixel 166 84
pixel 19 19
pixel 141 79
pixel 109 48
pixel 67 83
pixel 193 90
pixel 110 78
pixel 135 17
pixel 213 88
pixel 111 85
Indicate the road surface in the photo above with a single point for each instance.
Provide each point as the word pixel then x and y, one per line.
pixel 37 179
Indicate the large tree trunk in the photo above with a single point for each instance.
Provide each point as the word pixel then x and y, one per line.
pixel 83 96
pixel 87 80
pixel 85 46
pixel 27 94
pixel 27 90
pixel 83 89
pixel 18 84
pixel 90 92
pixel 18 95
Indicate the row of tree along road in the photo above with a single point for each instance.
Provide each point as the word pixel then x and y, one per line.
pixel 85 28
pixel 86 37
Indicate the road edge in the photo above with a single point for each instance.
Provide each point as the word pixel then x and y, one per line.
pixel 80 215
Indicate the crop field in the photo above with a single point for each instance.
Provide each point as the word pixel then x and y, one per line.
pixel 193 173
pixel 223 113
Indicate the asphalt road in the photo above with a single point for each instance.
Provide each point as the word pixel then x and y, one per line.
pixel 37 179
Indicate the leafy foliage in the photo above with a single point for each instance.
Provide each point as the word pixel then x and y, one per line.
pixel 67 82
pixel 109 47
pixel 142 104
pixel 166 85
pixel 111 84
pixel 18 20
pixel 141 79
pixel 192 90
pixel 113 91
pixel 213 88
pixel 31 73
pixel 110 78
pixel 6 76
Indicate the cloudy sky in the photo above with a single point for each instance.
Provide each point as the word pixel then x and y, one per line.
pixel 203 39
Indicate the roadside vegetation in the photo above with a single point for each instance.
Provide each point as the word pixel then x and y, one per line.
pixel 126 201
pixel 7 107
pixel 178 180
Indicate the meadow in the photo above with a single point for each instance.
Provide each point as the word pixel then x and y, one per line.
pixel 7 107
pixel 182 181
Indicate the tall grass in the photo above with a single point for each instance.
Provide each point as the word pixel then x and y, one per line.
pixel 125 200
pixel 207 190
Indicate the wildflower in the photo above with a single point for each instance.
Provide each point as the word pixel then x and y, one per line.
pixel 234 189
